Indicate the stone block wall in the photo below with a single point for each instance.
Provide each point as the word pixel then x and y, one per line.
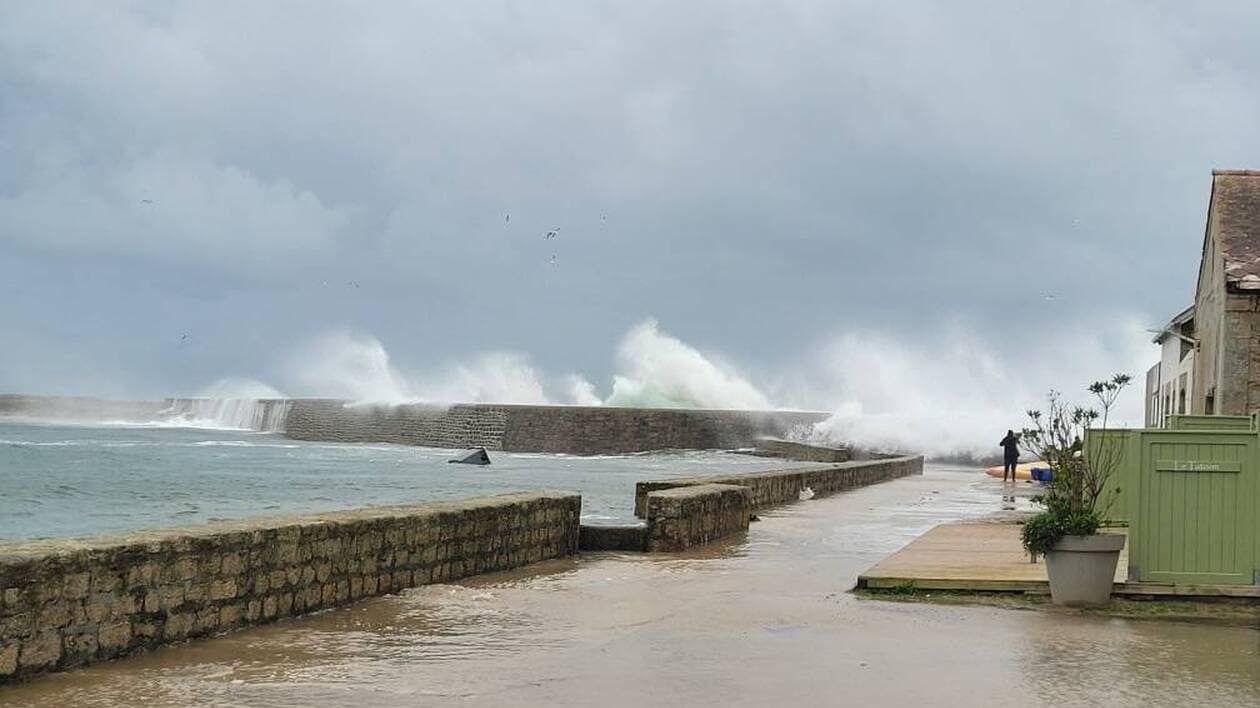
pixel 459 426
pixel 600 430
pixel 71 602
pixel 575 430
pixel 78 408
pixel 782 486
pixel 614 538
pixel 789 450
pixel 680 518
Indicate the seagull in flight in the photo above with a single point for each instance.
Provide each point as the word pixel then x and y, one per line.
pixel 552 233
pixel 355 283
pixel 553 260
pixel 507 218
pixel 146 201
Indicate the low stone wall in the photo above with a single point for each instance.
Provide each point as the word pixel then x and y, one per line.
pixel 614 538
pixel 680 518
pixel 781 486
pixel 787 449
pixel 72 602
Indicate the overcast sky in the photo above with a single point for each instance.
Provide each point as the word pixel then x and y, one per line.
pixel 767 180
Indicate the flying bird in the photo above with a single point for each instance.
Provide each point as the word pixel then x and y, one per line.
pixel 507 218
pixel 354 283
pixel 1050 297
pixel 553 260
pixel 146 201
pixel 552 233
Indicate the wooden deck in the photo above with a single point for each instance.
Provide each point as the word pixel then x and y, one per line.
pixel 988 557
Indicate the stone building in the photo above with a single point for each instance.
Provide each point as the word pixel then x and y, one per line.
pixel 1210 361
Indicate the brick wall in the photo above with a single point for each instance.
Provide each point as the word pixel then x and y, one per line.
pixel 71 602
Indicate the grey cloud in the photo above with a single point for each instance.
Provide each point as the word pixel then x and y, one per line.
pixel 771 174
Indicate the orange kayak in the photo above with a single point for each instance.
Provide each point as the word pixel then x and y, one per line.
pixel 1022 471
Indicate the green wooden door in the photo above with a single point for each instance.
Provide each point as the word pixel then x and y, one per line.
pixel 1196 515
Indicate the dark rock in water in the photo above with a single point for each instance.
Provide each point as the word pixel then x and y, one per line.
pixel 476 457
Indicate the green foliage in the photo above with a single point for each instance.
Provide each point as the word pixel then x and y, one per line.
pixel 1042 531
pixel 1079 493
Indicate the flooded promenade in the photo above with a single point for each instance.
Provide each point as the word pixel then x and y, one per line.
pixel 761 621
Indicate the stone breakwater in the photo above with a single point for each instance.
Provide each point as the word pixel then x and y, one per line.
pixel 783 486
pixel 685 512
pixel 575 430
pixel 71 602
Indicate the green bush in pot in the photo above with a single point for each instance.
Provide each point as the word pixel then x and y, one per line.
pixel 1080 491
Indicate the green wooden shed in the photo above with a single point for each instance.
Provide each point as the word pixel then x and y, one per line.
pixel 1191 497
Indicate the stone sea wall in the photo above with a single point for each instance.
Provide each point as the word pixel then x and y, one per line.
pixel 71 602
pixel 781 486
pixel 682 517
pixel 575 430
pixel 597 430
pixel 684 512
pixel 789 450
pixel 457 426
pixel 77 408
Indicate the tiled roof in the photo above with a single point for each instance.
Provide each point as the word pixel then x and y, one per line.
pixel 1236 207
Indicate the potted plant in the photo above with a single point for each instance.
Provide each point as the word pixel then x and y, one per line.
pixel 1080 561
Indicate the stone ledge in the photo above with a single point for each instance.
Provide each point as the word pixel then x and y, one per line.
pixel 683 517
pixel 783 486
pixel 72 602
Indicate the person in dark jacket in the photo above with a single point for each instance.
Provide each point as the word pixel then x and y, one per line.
pixel 1010 454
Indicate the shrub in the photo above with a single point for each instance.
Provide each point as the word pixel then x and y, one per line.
pixel 1080 491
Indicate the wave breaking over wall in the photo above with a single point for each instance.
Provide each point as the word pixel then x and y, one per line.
pixel 259 414
pixel 265 415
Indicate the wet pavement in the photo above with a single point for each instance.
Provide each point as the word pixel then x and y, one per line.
pixel 764 620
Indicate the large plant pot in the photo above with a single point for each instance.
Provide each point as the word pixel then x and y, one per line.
pixel 1083 568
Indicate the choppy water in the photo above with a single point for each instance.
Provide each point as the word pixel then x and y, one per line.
pixel 58 480
pixel 759 621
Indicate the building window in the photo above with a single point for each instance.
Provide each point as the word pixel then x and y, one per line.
pixel 1209 404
